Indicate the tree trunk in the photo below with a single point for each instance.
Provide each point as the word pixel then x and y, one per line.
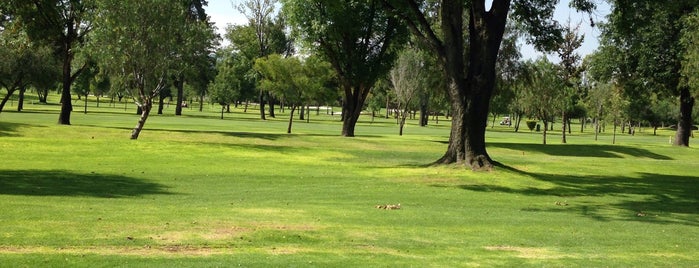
pixel 564 122
pixel 85 108
pixel 6 98
pixel 161 103
pixel 66 104
pixel 20 101
pixel 470 95
pixel 684 126
pixel 223 109
pixel 201 103
pixel 546 124
pixel 179 85
pixel 270 101
pixel 261 99
pixel 291 119
pixel 302 113
pixel 352 107
pixel 145 111
pixel 42 94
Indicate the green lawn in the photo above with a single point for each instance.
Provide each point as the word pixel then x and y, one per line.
pixel 196 190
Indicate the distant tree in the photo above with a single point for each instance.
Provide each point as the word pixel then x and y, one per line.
pixel 268 37
pixel 141 58
pixel 542 99
pixel 292 80
pixel 225 89
pixel 358 38
pixel 23 64
pixel 406 77
pixel 196 65
pixel 571 69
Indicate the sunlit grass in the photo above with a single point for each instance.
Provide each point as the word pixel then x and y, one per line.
pixel 196 190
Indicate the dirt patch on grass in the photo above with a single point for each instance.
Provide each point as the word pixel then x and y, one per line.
pixel 156 251
pixel 530 253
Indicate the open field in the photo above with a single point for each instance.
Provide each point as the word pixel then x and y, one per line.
pixel 196 190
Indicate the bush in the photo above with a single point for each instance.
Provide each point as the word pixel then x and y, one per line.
pixel 531 124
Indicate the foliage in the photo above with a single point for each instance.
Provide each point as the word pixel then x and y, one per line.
pixel 293 81
pixel 142 43
pixel 23 64
pixel 358 38
pixel 63 25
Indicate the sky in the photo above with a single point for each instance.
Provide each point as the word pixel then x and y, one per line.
pixel 223 12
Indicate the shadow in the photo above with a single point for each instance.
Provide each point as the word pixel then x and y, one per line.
pixel 66 183
pixel 582 150
pixel 8 129
pixel 647 197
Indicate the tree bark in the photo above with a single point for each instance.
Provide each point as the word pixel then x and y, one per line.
pixel 270 101
pixel 261 99
pixel 684 126
pixel 291 119
pixel 20 101
pixel 352 107
pixel 66 104
pixel 179 85
pixel 145 111
pixel 6 98
pixel 564 122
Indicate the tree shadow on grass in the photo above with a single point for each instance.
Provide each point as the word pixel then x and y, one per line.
pixel 8 129
pixel 582 150
pixel 65 183
pixel 648 197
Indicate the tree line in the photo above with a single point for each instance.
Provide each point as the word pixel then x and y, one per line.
pixel 454 57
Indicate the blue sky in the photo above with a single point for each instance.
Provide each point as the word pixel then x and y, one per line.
pixel 223 13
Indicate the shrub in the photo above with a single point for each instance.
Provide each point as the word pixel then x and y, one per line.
pixel 531 124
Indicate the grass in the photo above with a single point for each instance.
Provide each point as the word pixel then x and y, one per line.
pixel 196 190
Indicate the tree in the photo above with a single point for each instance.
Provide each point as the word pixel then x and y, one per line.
pixel 648 34
pixel 137 44
pixel 22 63
pixel 63 24
pixel 571 70
pixel 358 38
pixel 291 80
pixel 196 65
pixel 406 76
pixel 225 89
pixel 542 99
pixel 269 37
pixel 469 59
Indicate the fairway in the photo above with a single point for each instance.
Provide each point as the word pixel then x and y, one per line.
pixel 197 190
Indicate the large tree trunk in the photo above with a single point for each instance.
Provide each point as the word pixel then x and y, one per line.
pixel 145 111
pixel 684 126
pixel 470 95
pixel 352 107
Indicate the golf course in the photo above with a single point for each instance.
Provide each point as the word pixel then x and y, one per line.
pixel 197 190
